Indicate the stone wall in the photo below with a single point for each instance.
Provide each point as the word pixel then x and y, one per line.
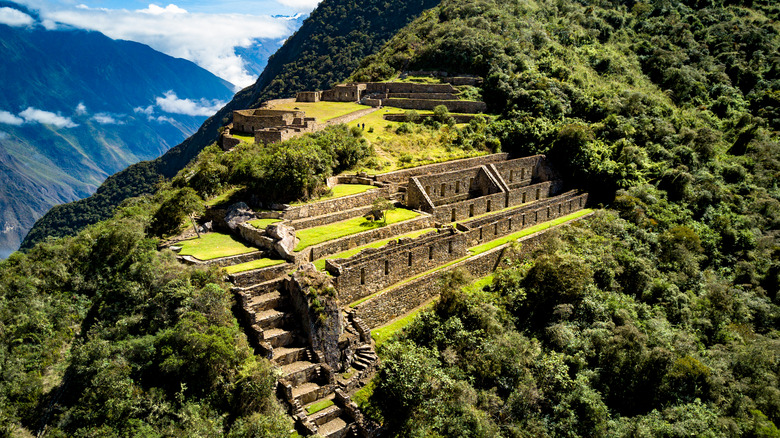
pixel 269 104
pixel 427 96
pixel 336 204
pixel 375 269
pixel 449 187
pixel 397 301
pixel 252 119
pixel 402 176
pixel 228 142
pixel 408 87
pixel 344 93
pixel 459 118
pixel 351 116
pixel 485 204
pixel 224 261
pixel 308 96
pixel 521 171
pixel 336 216
pixel 248 278
pixel 455 106
pixel 348 242
pixel 492 227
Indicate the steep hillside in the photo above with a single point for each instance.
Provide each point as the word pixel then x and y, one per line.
pixel 327 47
pixel 76 107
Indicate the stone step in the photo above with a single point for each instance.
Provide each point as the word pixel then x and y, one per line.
pixel 261 288
pixel 288 355
pixel 311 392
pixel 267 301
pixel 300 372
pixel 360 364
pixel 364 348
pixel 325 415
pixel 278 337
pixel 270 318
pixel 335 428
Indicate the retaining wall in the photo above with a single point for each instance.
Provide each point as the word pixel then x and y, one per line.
pixel 402 176
pixel 395 302
pixel 426 96
pixel 455 106
pixel 336 204
pixel 248 278
pixel 408 87
pixel 375 269
pixel 351 116
pixel 348 242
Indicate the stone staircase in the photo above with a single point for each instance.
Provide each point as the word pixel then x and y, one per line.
pixel 304 379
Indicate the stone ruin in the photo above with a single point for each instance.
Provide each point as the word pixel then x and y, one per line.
pixel 316 326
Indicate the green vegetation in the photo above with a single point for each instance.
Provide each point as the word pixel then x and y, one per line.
pixel 254 264
pixel 495 243
pixel 381 334
pixel 244 138
pixel 225 196
pixel 340 190
pixel 213 246
pixel 323 111
pixel 324 233
pixel 105 336
pixel 318 406
pixel 263 223
pixel 320 263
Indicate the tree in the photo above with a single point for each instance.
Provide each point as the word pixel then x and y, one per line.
pixel 379 209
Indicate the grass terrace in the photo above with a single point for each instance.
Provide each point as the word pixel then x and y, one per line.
pixel 313 236
pixel 323 111
pixel 211 246
pixel 381 334
pixel 318 406
pixel 254 264
pixel 224 196
pixel 320 263
pixel 263 223
pixel 246 138
pixel 339 191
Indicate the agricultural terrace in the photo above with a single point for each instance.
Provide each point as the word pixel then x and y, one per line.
pixel 320 263
pixel 211 246
pixel 338 191
pixel 313 236
pixel 322 111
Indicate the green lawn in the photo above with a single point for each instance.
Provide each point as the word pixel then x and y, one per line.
pixel 382 334
pixel 323 111
pixel 324 233
pixel 224 196
pixel 254 264
pixel 247 138
pixel 262 223
pixel 320 263
pixel 340 190
pixel 320 405
pixel 213 246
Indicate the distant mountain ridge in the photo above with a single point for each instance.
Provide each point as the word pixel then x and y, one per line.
pixel 329 45
pixel 77 106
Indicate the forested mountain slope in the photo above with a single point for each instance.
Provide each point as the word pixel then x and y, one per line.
pixel 658 317
pixel 76 107
pixel 326 49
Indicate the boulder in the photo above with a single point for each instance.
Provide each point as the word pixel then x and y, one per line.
pixel 284 235
pixel 238 213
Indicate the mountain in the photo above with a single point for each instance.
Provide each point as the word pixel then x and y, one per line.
pixel 256 56
pixel 77 106
pixel 325 50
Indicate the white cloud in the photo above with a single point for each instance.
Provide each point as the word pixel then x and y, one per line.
pixel 208 40
pixel 81 109
pixel 106 119
pixel 203 107
pixel 300 5
pixel 3 135
pixel 15 17
pixel 10 119
pixel 164 119
pixel 149 110
pixel 32 115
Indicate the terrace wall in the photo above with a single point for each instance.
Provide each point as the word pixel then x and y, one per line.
pixel 375 269
pixel 468 208
pixel 408 87
pixel 397 301
pixel 449 187
pixel 402 176
pixel 455 106
pixel 351 116
pixel 336 204
pixel 348 242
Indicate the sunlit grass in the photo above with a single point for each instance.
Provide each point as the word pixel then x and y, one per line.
pixel 387 331
pixel 324 233
pixel 247 138
pixel 254 264
pixel 224 196
pixel 263 223
pixel 340 190
pixel 318 406
pixel 320 263
pixel 323 111
pixel 213 246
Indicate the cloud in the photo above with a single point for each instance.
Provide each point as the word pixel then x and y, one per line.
pixel 208 40
pixel 10 119
pixel 149 110
pixel 106 119
pixel 32 115
pixel 300 5
pixel 203 107
pixel 15 17
pixel 3 135
pixel 81 109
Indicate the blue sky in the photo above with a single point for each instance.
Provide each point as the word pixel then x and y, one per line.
pixel 204 32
